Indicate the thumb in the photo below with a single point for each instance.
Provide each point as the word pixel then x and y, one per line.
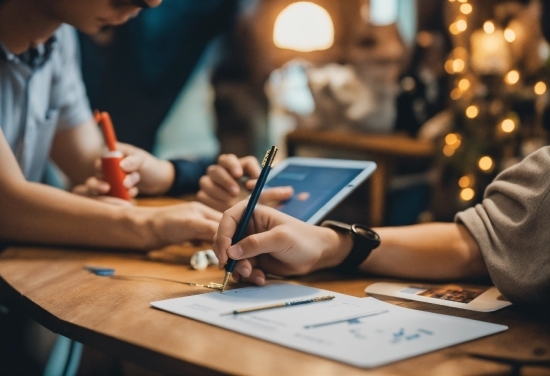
pixel 132 163
pixel 275 195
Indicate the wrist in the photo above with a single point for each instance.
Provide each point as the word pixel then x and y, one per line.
pixel 335 247
pixel 144 227
pixel 167 179
pixel 364 240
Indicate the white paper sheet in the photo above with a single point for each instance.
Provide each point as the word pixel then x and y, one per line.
pixel 363 332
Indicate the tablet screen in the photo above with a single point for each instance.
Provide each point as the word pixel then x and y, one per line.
pixel 314 188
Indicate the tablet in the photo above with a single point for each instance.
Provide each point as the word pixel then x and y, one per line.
pixel 319 184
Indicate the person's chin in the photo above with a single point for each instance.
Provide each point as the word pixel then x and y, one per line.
pixel 94 28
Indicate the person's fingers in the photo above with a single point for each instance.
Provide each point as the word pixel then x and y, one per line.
pixel 226 230
pixel 231 164
pixel 132 162
pixel 223 179
pixel 221 243
pixel 273 196
pixel 244 268
pixel 81 190
pixel 131 180
pixel 250 167
pixel 257 276
pixel 205 199
pixel 200 221
pixel 133 192
pixel 215 190
pixel 208 212
pixel 248 271
pixel 236 277
pixel 127 149
pixel 96 187
pixel 250 184
pixel 204 229
pixel 272 241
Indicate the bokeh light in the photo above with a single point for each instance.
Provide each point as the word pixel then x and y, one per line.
pixel 540 88
pixel 509 35
pixel 464 84
pixel 512 77
pixel 489 27
pixel 466 8
pixel 472 112
pixel 508 125
pixel 467 194
pixel 464 182
pixel 485 163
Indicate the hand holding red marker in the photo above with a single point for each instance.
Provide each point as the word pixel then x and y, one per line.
pixel 110 161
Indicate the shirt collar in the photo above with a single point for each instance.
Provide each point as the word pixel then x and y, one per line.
pixel 33 57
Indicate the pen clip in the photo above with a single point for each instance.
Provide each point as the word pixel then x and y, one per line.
pixel 269 156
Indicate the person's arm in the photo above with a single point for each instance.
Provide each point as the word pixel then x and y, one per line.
pixel 284 246
pixel 76 149
pixel 432 251
pixel 37 213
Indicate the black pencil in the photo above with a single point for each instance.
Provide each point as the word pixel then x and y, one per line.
pixel 254 196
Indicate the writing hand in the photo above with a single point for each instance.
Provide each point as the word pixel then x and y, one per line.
pixel 276 244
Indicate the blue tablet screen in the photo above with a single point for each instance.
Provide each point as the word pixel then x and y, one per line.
pixel 313 187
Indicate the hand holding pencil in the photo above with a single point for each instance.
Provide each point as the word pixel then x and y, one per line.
pixel 247 214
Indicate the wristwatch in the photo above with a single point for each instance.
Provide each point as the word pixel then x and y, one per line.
pixel 364 241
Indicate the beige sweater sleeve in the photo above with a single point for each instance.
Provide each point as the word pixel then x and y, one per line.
pixel 512 229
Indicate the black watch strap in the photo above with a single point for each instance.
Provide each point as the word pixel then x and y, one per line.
pixel 364 241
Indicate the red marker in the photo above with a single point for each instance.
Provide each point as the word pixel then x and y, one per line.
pixel 110 161
pixel 108 130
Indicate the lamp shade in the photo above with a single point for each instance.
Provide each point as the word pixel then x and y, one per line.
pixel 303 26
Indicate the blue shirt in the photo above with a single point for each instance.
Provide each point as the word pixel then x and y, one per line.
pixel 36 100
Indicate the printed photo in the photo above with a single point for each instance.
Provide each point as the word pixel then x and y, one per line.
pixel 450 292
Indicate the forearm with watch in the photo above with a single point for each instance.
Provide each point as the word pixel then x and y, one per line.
pixel 361 241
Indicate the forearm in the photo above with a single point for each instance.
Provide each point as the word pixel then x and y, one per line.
pixel 433 251
pixel 75 150
pixel 40 214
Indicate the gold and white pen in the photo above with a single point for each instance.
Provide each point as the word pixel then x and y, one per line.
pixel 279 305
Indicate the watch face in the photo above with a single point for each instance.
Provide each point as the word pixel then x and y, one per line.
pixel 367 234
pixel 363 232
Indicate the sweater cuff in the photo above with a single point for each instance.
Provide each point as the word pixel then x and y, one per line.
pixel 187 174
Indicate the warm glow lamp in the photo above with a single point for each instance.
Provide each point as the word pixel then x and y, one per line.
pixel 304 27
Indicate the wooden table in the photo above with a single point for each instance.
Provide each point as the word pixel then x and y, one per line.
pixel 114 315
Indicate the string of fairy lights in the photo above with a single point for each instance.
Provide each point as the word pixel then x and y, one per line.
pixel 479 53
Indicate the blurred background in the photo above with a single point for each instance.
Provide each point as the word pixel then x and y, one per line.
pixel 443 95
